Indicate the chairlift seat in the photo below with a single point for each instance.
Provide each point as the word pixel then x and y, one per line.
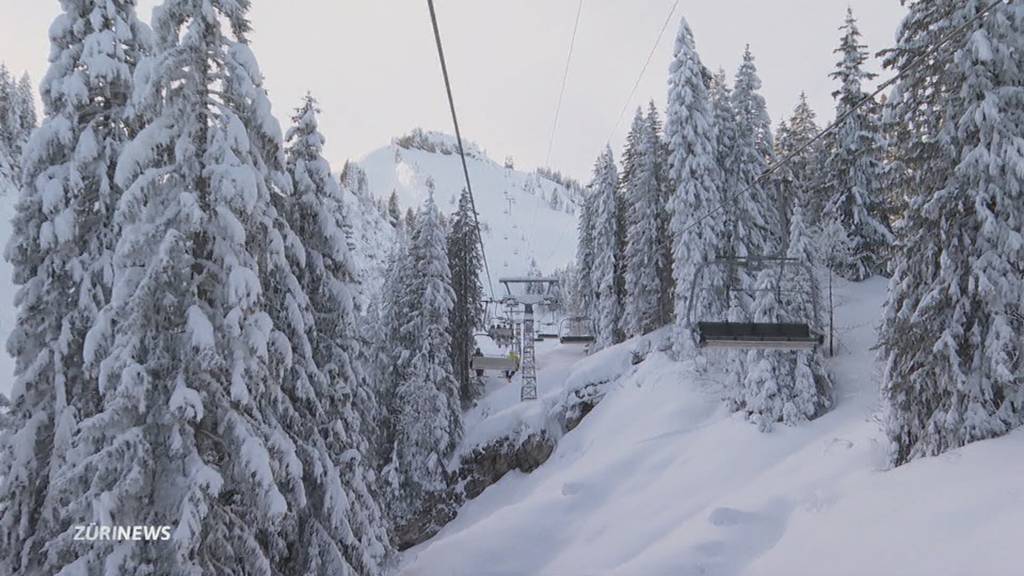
pixel 767 336
pixel 575 330
pixel 497 363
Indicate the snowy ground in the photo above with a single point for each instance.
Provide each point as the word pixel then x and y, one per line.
pixel 661 479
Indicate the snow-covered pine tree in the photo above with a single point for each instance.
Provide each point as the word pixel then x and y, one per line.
pixel 751 211
pixel 604 195
pixel 586 294
pixel 755 218
pixel 666 190
pixel 801 297
pixel 391 353
pixel 394 212
pixel 466 261
pixel 621 218
pixel 726 153
pixel 329 404
pixel 7 94
pixel 784 386
pixel 194 339
pixel 783 178
pixel 353 179
pixel 853 172
pixel 692 143
pixel 426 408
pixel 629 155
pixel 800 176
pixel 644 260
pixel 410 221
pixel 734 162
pixel 61 250
pixel 534 272
pixel 22 114
pixel 9 170
pixel 17 120
pixel 953 333
pixel 17 113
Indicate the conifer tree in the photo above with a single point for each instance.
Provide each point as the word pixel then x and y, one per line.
pixel 201 239
pixel 692 144
pixel 394 212
pixel 726 155
pixel 410 221
pixel 953 332
pixel 61 250
pixel 666 189
pixel 426 406
pixel 392 350
pixel 853 170
pixel 585 256
pixel 467 312
pixel 644 257
pixel 752 215
pixel 800 176
pixel 755 218
pixel 329 406
pixel 22 115
pixel 784 386
pixel 17 120
pixel 7 95
pixel 608 306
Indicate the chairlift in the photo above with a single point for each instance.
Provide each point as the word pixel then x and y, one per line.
pixel 754 335
pixel 575 330
pixel 495 363
pixel 502 335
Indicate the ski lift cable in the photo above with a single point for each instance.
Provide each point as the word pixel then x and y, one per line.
pixel 636 85
pixel 643 71
pixel 565 77
pixel 914 62
pixel 458 138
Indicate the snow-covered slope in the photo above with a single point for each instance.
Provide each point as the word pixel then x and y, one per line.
pixel 660 479
pixel 516 216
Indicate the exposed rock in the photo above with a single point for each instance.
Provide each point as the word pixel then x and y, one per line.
pixel 488 463
pixel 437 512
pixel 485 465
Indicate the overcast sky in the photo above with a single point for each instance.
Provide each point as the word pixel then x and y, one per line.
pixel 373 66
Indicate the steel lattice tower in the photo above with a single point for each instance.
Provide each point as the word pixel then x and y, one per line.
pixel 528 391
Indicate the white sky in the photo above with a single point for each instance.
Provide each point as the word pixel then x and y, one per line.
pixel 373 66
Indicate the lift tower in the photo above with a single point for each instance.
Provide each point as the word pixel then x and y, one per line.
pixel 535 290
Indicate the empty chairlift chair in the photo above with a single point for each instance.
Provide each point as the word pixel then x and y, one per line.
pixel 575 330
pixel 757 335
pixel 799 335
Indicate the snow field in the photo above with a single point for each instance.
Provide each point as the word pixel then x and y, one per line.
pixel 661 479
pixel 532 230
